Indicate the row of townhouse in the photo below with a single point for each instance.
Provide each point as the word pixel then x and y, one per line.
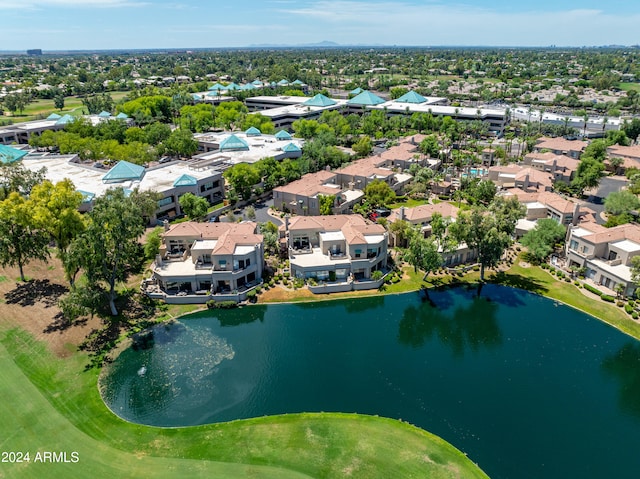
pixel 342 248
pixel 347 184
pixel 606 253
pixel 201 261
pixel 223 261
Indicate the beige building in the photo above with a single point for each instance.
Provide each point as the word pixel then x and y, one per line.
pixel 561 167
pixel 561 146
pixel 606 253
pixel 201 261
pixel 339 249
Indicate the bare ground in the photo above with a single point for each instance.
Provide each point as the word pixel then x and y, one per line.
pixel 33 305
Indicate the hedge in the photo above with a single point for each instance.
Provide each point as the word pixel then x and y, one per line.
pixel 607 298
pixel 588 287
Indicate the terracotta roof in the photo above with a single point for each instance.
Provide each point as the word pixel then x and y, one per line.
pixel 560 144
pixel 617 233
pixel 632 152
pixel 354 227
pixel 424 213
pixel 210 231
pixel 311 184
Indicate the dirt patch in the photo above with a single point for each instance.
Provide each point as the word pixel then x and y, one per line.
pixel 280 294
pixel 33 305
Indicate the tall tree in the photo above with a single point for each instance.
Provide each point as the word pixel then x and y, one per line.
pixel 242 177
pixel 379 193
pixel 16 178
pixel 422 253
pixel 541 240
pixel 56 211
pixel 108 249
pixel 195 207
pixel 21 239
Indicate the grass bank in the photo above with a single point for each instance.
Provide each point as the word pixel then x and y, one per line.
pixel 50 405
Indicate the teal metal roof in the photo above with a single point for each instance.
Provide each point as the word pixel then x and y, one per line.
pixel 365 98
pixel 297 82
pixel 122 116
pixel 124 171
pixel 319 100
pixel 185 180
pixel 10 155
pixel 54 116
pixel 256 83
pixel 216 87
pixel 233 143
pixel 104 114
pixel 253 131
pixel 248 86
pixel 283 135
pixel 283 82
pixel 213 93
pixel 291 148
pixel 65 119
pixel 411 97
pixel 357 91
pixel 196 97
pixel 87 196
pixel 232 86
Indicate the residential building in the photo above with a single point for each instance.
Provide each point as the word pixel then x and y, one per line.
pixel 201 261
pixel 562 167
pixel 561 146
pixel 606 253
pixel 337 248
pixel 526 178
pixel 629 154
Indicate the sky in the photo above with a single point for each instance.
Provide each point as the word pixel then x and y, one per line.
pixel 141 24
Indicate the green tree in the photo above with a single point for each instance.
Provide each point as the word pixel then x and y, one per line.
pixel 326 203
pixel 153 242
pixel 242 177
pixel 195 207
pixel 379 193
pixel 97 103
pixel 21 238
pixel 56 211
pixel 269 233
pixel 363 147
pixel 180 143
pixel 422 253
pixel 397 92
pixel 15 177
pixel 541 240
pixel 488 232
pixel 58 101
pixel 108 250
pixel 621 202
pixel 588 175
pixel 430 146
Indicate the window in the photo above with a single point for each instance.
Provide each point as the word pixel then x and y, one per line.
pixel 573 245
pixel 358 253
pixel 222 263
pixel 584 249
pixel 165 201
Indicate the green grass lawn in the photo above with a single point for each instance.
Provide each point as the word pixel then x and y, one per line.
pixel 43 108
pixel 49 404
pixel 630 86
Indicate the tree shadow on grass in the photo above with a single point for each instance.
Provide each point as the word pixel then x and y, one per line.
pixel 36 291
pixel 61 323
pixel 519 281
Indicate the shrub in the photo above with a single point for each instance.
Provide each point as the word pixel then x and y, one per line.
pixel 213 304
pixel 567 279
pixel 628 309
pixel 376 275
pixel 632 303
pixel 577 283
pixel 593 290
pixel 607 298
pixel 634 315
pixel 312 282
pixel 619 304
pixel 396 279
pixel 252 295
pixel 332 275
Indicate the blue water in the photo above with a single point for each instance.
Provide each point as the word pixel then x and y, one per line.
pixel 526 387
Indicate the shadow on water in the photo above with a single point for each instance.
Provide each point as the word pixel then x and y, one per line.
pixel 624 366
pixel 459 323
pixel 352 305
pixel 244 315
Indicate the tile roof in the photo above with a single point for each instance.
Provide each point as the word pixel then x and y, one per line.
pixel 560 144
pixel 632 152
pixel 311 184
pixel 353 227
pixel 424 213
pixel 228 235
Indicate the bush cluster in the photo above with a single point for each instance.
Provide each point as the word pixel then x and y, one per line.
pixel 213 304
pixel 590 288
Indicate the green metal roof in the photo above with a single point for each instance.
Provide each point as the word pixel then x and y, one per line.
pixel 54 116
pixel 365 98
pixel 122 116
pixel 124 171
pixel 319 100
pixel 104 114
pixel 283 135
pixel 10 155
pixel 185 180
pixel 65 119
pixel 291 148
pixel 233 143
pixel 253 131
pixel 411 97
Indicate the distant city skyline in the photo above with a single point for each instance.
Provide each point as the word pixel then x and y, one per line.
pixel 157 24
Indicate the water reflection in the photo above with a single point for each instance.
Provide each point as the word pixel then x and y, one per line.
pixel 244 315
pixel 456 320
pixel 625 367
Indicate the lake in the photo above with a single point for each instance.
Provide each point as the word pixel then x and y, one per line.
pixel 526 387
